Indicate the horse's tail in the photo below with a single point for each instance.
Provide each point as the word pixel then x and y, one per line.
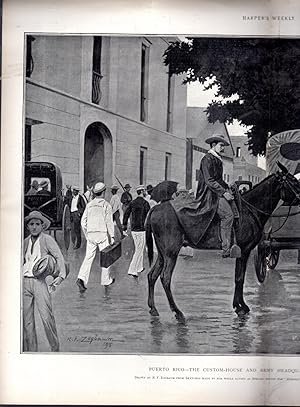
pixel 149 238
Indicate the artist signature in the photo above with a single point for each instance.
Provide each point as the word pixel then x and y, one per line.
pixel 107 342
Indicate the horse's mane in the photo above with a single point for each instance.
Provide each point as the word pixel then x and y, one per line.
pixel 256 191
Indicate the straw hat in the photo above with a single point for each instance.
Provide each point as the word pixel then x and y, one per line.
pixel 37 215
pixel 99 187
pixel 44 267
pixel 44 184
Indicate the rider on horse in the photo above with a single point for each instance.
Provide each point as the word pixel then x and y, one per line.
pixel 214 192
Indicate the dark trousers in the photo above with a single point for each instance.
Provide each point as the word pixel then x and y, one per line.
pixel 36 296
pixel 76 228
pixel 116 218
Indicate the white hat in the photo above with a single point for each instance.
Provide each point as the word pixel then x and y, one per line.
pixel 44 184
pixel 99 187
pixel 75 188
pixel 140 188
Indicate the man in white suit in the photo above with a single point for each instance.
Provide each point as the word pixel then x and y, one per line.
pixel 98 228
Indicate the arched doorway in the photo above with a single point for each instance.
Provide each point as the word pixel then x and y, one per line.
pixel 97 154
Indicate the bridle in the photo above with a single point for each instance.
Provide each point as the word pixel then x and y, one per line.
pixel 284 180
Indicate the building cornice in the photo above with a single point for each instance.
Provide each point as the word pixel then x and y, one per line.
pixel 97 107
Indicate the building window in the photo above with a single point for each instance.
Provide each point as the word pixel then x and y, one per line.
pixel 238 152
pixel 96 79
pixel 144 83
pixel 168 166
pixel 143 165
pixel 224 177
pixel 240 178
pixel 228 178
pixel 27 142
pixel 170 103
pixel 29 59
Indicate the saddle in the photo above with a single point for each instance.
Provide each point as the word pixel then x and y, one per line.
pixel 191 218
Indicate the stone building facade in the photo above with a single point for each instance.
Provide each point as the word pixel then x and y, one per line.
pixel 102 107
pixel 245 167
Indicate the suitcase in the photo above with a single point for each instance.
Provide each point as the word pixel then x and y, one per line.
pixel 110 254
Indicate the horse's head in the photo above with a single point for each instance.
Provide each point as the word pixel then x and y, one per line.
pixel 290 186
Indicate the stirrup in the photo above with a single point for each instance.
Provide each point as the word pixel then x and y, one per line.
pixel 235 252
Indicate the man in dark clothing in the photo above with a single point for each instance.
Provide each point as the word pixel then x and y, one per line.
pixel 68 196
pixel 214 191
pixel 137 210
pixel 126 197
pixel 77 209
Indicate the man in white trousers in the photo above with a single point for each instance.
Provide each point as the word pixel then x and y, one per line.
pixel 137 210
pixel 98 228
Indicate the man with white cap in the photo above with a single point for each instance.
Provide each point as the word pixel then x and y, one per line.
pixel 214 191
pixel 137 210
pixel 77 209
pixel 98 228
pixel 40 249
pixel 116 208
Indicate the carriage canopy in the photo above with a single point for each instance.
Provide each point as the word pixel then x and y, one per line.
pixel 285 148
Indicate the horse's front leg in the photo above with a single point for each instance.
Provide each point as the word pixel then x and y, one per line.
pixel 239 304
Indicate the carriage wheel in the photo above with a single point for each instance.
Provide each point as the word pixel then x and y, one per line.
pixel 66 226
pixel 272 258
pixel 260 262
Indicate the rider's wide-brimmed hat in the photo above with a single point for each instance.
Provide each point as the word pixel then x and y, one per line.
pixel 140 188
pixel 37 215
pixel 217 138
pixel 114 187
pixel 99 187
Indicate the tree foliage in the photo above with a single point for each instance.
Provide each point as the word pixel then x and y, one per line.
pixel 263 72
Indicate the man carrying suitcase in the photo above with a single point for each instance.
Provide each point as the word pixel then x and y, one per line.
pixel 98 228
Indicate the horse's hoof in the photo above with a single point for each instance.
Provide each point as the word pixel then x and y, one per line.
pixel 246 309
pixel 180 317
pixel 154 312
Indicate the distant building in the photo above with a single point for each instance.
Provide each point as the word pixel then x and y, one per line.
pixel 105 106
pixel 245 164
pixel 198 130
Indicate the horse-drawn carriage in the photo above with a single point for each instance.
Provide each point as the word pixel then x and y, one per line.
pixel 43 192
pixel 282 231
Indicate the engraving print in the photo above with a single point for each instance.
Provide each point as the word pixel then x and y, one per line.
pixel 161 195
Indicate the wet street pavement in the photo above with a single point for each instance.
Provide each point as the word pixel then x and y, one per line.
pixel 116 319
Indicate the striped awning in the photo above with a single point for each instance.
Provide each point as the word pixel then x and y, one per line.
pixel 285 148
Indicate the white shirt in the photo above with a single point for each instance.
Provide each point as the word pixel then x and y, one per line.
pixel 211 151
pixel 97 220
pixel 88 196
pixel 31 258
pixel 116 204
pixel 150 201
pixel 74 203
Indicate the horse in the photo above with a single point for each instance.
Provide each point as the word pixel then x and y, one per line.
pixel 256 206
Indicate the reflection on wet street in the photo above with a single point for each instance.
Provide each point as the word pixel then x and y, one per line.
pixel 116 319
